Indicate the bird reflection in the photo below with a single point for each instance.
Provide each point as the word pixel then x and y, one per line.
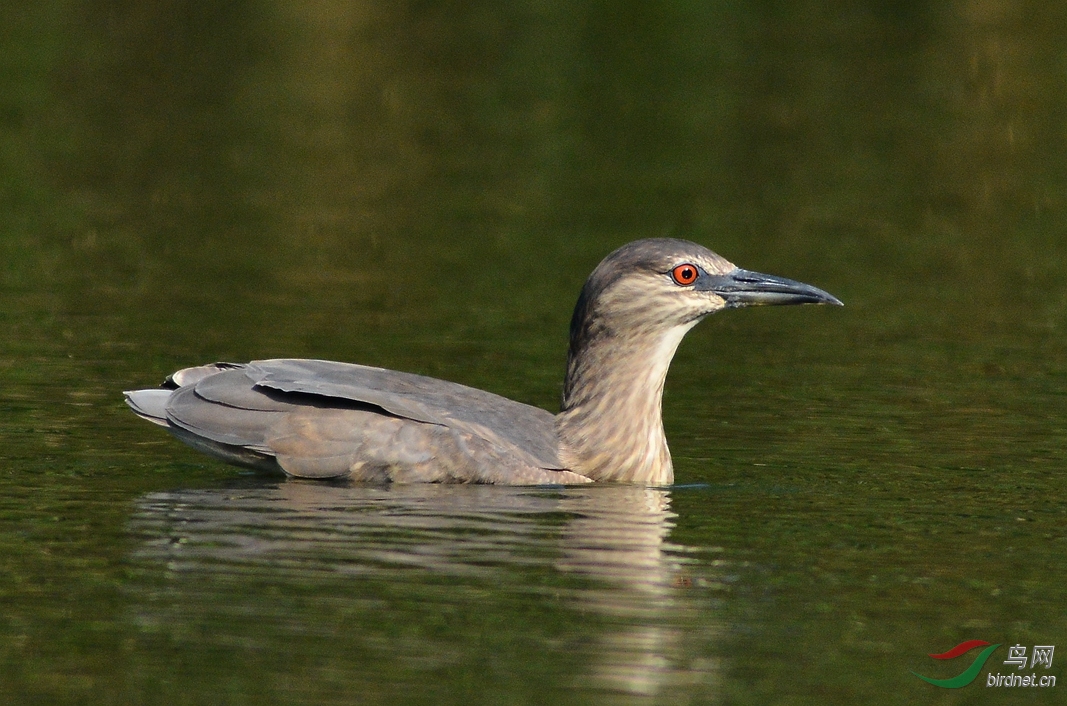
pixel 611 540
pixel 620 537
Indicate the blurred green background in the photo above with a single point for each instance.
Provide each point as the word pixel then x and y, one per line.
pixel 424 186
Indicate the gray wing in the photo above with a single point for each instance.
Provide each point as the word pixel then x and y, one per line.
pixel 322 419
pixel 525 430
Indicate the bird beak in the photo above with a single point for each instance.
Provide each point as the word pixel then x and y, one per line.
pixel 745 288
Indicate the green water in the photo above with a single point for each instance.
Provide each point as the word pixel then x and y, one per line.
pixel 424 186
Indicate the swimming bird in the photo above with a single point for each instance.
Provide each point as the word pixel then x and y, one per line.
pixel 321 419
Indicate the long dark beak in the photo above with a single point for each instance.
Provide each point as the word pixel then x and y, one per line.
pixel 745 288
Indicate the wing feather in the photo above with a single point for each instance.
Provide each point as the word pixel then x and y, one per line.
pixel 521 429
pixel 316 419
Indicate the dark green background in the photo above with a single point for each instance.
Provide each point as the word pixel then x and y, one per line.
pixel 424 186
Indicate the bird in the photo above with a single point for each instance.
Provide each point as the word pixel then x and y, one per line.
pixel 329 420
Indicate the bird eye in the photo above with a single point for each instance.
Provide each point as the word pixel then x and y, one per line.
pixel 684 274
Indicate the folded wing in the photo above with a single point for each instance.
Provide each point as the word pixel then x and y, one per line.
pixel 322 419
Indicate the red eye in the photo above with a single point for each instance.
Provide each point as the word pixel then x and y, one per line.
pixel 685 274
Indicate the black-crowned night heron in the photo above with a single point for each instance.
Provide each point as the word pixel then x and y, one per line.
pixel 319 419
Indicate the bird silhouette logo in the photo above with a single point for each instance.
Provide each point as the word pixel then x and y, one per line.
pixel 968 675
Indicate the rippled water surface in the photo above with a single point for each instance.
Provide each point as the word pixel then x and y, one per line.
pixel 442 584
pixel 424 187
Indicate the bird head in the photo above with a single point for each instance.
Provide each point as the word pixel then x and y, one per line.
pixel 659 284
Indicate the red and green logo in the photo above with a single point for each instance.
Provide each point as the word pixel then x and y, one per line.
pixel 968 675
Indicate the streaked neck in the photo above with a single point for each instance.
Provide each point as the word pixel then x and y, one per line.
pixel 611 423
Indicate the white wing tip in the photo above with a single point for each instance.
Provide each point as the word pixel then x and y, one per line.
pixel 149 404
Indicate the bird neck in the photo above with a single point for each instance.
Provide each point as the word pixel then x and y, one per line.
pixel 611 423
